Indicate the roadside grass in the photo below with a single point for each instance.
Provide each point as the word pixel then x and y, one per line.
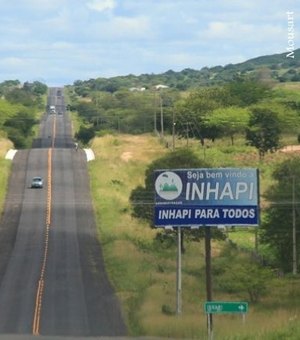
pixel 143 271
pixel 75 121
pixel 5 166
pixel 244 237
pixel 118 168
pixel 289 87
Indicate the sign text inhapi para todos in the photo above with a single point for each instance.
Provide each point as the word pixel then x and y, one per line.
pixel 187 197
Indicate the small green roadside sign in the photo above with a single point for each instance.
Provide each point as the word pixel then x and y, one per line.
pixel 221 307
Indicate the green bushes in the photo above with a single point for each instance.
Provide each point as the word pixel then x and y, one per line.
pixel 85 134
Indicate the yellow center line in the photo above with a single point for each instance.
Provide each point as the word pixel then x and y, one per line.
pixel 49 188
pixel 53 131
pixel 41 282
pixel 37 311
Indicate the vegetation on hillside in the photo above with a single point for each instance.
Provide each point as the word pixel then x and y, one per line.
pixel 272 68
pixel 242 107
pixel 19 106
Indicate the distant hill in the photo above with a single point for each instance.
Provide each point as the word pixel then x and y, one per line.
pixel 276 67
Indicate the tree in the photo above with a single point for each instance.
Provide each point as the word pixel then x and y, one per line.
pixel 88 111
pixel 278 218
pixel 244 92
pixel 286 112
pixel 18 139
pixel 85 134
pixel 238 273
pixel 230 120
pixel 8 85
pixel 20 96
pixel 7 110
pixel 192 112
pixel 19 128
pixel 39 88
pixel 22 121
pixel 263 131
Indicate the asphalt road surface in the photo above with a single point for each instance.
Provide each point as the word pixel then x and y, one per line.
pixel 52 277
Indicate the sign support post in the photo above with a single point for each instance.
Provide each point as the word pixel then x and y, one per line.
pixel 179 281
pixel 208 279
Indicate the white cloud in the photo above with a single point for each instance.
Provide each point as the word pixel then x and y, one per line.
pixel 117 28
pixel 130 26
pixel 63 46
pixel 178 60
pixel 244 33
pixel 13 62
pixel 71 39
pixel 227 30
pixel 45 4
pixel 32 5
pixel 101 5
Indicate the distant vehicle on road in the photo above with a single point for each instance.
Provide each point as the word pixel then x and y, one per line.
pixel 37 182
pixel 52 109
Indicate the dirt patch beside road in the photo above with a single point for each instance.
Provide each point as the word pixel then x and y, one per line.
pixel 290 148
pixel 126 156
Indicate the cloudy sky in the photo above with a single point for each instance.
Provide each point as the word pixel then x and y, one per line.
pixel 60 41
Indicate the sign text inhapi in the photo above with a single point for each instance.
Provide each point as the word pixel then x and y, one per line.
pixel 226 196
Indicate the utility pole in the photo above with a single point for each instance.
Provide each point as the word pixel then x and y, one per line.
pixel 187 133
pixel 155 116
pixel 161 118
pixel 119 125
pixel 294 231
pixel 173 130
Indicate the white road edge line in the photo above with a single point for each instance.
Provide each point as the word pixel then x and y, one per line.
pixel 10 154
pixel 90 156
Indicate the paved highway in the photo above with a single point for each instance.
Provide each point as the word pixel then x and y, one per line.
pixel 53 280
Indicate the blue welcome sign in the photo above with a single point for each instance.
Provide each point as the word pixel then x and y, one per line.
pixel 200 197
